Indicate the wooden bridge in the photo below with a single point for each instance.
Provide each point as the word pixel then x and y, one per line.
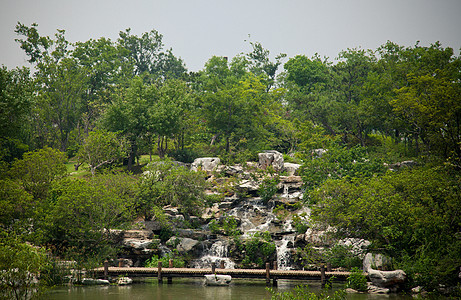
pixel 266 274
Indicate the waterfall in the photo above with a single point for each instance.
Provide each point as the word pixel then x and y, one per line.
pixel 218 252
pixel 283 253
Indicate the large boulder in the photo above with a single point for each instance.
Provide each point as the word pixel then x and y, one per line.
pixel 271 158
pixel 249 186
pixel 138 246
pixel 387 279
pixel 183 245
pixel 376 261
pixel 392 280
pixel 207 164
pixel 291 168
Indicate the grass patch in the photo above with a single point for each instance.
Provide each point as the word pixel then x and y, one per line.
pixel 83 170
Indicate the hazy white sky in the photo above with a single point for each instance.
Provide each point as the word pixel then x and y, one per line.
pixel 199 29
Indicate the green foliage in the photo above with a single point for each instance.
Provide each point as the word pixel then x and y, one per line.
pixel 16 105
pixel 300 223
pixel 303 292
pixel 357 280
pixel 339 163
pixel 342 256
pixel 38 169
pixel 268 188
pixel 184 155
pixel 337 256
pixel 20 264
pixel 259 249
pixel 281 212
pixel 310 256
pixel 227 225
pixel 382 210
pixel 79 213
pixel 16 205
pixel 178 261
pixel 102 148
pixel 165 183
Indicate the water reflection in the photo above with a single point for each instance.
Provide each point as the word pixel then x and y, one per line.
pixel 183 289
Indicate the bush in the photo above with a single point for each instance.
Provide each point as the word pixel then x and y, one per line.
pixel 20 263
pixel 168 184
pixel 227 225
pixel 259 250
pixel 302 292
pixel 300 223
pixel 178 261
pixel 341 256
pixel 184 155
pixel 268 188
pixel 357 280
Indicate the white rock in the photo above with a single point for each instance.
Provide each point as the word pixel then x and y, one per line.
pixel 213 279
pixel 92 281
pixel 124 281
pixel 271 158
pixel 372 289
pixel 207 164
pixel 386 278
pixel 291 168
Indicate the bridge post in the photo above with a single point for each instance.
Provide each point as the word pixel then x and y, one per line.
pixel 274 280
pixel 159 272
pixel 170 265
pixel 213 268
pixel 106 269
pixel 322 275
pixel 222 264
pixel 328 266
pixel 268 274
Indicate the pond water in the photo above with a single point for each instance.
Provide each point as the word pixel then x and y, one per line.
pixel 191 289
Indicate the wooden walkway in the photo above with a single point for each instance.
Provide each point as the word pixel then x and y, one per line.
pixel 235 273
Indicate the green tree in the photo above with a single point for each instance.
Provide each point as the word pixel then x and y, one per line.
pixel 61 83
pixel 79 215
pixel 16 102
pixel 16 205
pixel 431 104
pixel 165 183
pixel 169 114
pixel 129 114
pixel 233 106
pixel 147 57
pixel 106 68
pixel 20 265
pixel 412 215
pixel 102 148
pixel 260 64
pixel 37 170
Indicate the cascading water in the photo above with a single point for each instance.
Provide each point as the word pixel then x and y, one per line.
pixel 283 253
pixel 254 216
pixel 217 253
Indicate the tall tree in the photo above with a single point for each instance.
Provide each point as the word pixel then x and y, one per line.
pixel 61 83
pixel 102 148
pixel 147 57
pixel 16 102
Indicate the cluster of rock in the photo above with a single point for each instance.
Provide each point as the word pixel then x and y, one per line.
pixel 251 216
